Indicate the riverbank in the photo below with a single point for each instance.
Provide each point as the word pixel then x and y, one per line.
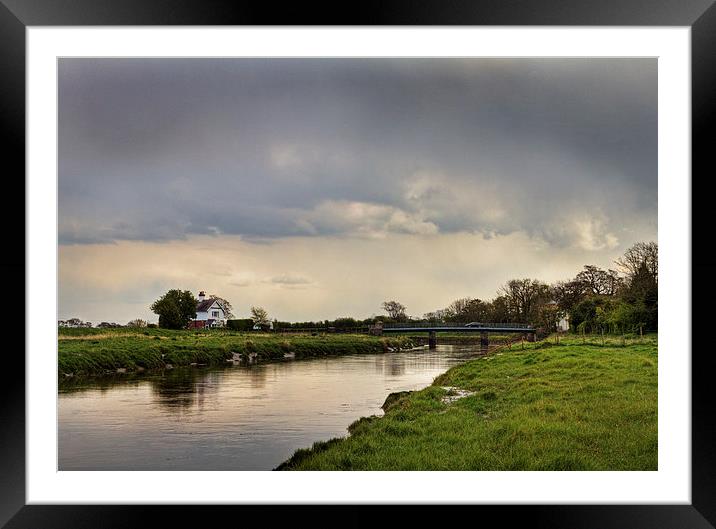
pixel 83 352
pixel 572 405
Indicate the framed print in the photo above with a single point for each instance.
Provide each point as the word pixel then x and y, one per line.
pixel 185 177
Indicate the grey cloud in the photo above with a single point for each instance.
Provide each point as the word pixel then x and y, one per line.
pixel 362 219
pixel 290 280
pixel 158 149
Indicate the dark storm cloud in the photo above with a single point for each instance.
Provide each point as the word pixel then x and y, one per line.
pixel 159 149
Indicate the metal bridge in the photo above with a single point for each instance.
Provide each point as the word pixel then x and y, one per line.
pixel 482 328
pixel 458 327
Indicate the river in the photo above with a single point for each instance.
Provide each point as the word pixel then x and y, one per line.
pixel 240 417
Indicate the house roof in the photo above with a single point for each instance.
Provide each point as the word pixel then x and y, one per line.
pixel 203 306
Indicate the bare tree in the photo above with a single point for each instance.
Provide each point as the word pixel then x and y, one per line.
pixel 644 254
pixel 568 293
pixel 613 283
pixel 498 310
pixel 137 323
pixel 438 315
pixel 524 296
pixel 458 307
pixel 598 281
pixel 394 309
pixel 467 309
pixel 259 315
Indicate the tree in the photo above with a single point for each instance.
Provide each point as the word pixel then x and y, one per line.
pixel 476 310
pixel 345 323
pixel 584 314
pixel 465 310
pixel 395 310
pixel 498 310
pixel 175 309
pixel 597 281
pixel 619 316
pixel 547 317
pixel 437 316
pixel 524 296
pixel 75 322
pixel 568 293
pixel 225 305
pixel 260 316
pixel 640 254
pixel 137 323
pixel 643 292
pixel 640 264
pixel 457 308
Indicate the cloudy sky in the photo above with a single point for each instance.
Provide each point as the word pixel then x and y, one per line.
pixel 319 188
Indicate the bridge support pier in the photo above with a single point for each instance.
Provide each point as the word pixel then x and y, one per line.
pixel 432 340
pixel 484 340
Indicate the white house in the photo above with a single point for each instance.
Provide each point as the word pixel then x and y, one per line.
pixel 209 313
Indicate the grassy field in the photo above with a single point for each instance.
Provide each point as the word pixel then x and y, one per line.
pixel 574 405
pixel 100 351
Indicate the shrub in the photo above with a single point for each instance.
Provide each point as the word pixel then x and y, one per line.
pixel 240 324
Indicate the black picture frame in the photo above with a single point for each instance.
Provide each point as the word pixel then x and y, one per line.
pixel 699 15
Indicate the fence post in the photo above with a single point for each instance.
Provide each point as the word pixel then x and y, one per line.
pixel 484 340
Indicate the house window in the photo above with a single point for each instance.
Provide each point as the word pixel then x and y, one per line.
pixel 214 313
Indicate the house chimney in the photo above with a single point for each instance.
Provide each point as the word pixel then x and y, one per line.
pixel 201 296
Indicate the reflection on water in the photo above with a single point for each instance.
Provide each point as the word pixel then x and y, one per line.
pixel 235 417
pixel 178 389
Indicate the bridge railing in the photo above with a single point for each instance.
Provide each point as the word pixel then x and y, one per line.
pixel 418 325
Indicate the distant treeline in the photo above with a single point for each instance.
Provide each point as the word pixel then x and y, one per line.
pixel 621 300
pixel 325 325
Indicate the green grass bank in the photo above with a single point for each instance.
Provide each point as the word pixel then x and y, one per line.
pixel 574 405
pixel 104 351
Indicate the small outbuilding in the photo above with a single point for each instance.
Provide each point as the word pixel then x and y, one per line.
pixel 563 323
